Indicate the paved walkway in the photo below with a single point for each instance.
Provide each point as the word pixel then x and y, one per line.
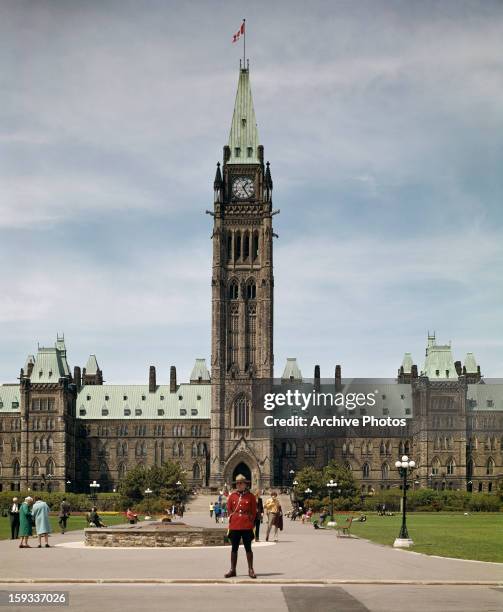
pixel 302 554
pixel 307 570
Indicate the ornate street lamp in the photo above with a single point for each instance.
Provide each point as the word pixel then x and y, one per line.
pixel 308 492
pixel 403 466
pixel 331 486
pixel 148 492
pixel 94 486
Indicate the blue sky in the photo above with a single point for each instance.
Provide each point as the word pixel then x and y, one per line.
pixel 382 122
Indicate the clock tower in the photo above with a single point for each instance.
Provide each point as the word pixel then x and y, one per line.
pixel 242 301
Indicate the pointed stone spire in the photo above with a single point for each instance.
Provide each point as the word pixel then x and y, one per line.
pixel 243 137
pixel 268 178
pixel 218 178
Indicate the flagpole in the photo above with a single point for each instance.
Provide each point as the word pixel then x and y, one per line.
pixel 244 44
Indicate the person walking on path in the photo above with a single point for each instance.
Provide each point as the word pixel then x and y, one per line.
pixel 242 509
pixel 273 509
pixel 25 522
pixel 212 507
pixel 217 512
pixel 14 519
pixel 40 513
pixel 64 513
pixel 260 515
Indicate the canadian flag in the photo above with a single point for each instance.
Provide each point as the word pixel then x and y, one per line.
pixel 237 35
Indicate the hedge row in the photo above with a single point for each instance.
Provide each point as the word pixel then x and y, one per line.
pixel 78 501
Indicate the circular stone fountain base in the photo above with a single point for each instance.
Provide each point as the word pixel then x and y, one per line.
pixel 155 534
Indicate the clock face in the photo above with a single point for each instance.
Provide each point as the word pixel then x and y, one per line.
pixel 242 187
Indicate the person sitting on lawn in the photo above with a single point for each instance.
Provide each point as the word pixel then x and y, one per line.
pixel 94 519
pixel 131 516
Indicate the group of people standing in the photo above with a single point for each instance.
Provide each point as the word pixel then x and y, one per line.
pixel 34 512
pixel 246 512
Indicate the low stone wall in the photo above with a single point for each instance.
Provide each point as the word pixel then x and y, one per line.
pixel 155 536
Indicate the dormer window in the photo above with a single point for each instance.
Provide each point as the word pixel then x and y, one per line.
pixel 243 121
pixel 50 373
pixel 249 151
pixel 137 411
pixel 107 397
pixel 160 412
pixel 104 412
pixel 193 412
pixel 437 372
pixel 88 397
pixel 162 398
pixel 183 412
pixel 143 398
pixel 198 397
pixel 127 412
pixel 237 152
pixel 125 398
pixel 180 397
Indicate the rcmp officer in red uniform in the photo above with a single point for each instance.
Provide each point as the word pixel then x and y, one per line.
pixel 242 510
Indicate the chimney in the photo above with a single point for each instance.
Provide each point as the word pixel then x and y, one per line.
pixel 413 371
pixel 338 378
pixel 317 378
pixel 77 379
pixel 459 369
pixel 152 385
pixel 172 379
pixel 30 369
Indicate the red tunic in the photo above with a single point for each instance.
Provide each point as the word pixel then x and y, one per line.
pixel 242 510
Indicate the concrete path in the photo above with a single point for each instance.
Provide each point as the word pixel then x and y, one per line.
pixel 302 554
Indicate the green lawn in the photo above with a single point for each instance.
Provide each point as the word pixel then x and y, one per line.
pixel 476 536
pixel 74 522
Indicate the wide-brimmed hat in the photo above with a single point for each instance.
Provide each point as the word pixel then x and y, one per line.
pixel 241 478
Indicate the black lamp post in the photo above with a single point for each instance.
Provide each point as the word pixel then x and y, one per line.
pixel 94 486
pixel 403 466
pixel 308 492
pixel 331 486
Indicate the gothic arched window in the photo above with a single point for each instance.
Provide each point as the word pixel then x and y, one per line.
pixel 50 466
pixel 35 467
pixel 233 290
pixel 196 472
pixel 490 467
pixel 241 412
pixel 384 471
pixel 366 470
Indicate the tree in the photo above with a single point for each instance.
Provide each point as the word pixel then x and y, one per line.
pixel 316 480
pixel 161 480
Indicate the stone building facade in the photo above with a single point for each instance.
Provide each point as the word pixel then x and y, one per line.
pixel 60 430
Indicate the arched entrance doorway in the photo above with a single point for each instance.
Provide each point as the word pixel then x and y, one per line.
pixel 242 468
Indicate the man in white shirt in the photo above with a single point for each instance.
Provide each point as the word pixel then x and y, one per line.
pixel 14 519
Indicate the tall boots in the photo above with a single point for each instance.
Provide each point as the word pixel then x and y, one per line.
pixel 234 560
pixel 249 558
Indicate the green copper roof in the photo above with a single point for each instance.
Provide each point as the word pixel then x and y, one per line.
pixel 200 372
pixel 292 370
pixel 92 365
pixel 50 365
pixel 439 363
pixel 470 363
pixel 487 397
pixel 134 402
pixel 9 398
pixel 243 138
